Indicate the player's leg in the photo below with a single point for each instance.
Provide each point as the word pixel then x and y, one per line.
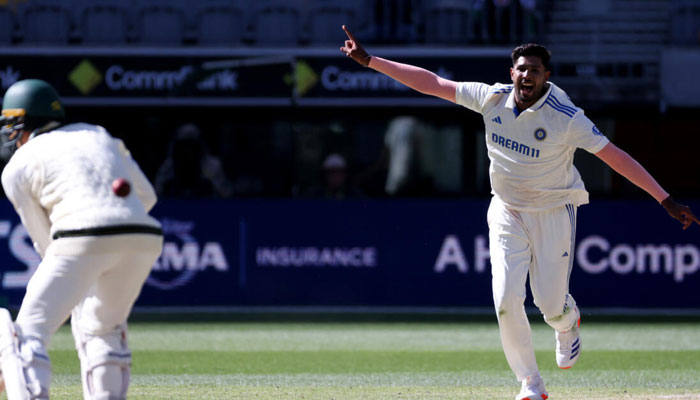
pixel 56 286
pixel 11 362
pixel 510 261
pixel 105 361
pixel 99 322
pixel 553 248
pixel 553 233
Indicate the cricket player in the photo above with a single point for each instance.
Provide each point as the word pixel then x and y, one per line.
pixel 532 131
pixel 84 202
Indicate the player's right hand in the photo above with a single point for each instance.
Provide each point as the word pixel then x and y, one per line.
pixel 354 49
pixel 680 212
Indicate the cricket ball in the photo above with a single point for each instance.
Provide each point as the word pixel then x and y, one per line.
pixel 121 187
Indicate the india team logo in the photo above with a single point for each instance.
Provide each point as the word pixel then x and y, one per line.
pixel 540 134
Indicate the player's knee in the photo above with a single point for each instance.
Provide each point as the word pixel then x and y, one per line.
pixel 508 303
pixel 561 317
pixel 106 364
pixel 551 309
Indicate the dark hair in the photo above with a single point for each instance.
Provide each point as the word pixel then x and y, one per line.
pixel 532 49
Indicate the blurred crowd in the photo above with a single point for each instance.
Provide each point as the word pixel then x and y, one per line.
pixel 235 23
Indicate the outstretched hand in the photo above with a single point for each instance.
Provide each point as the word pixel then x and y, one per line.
pixel 680 212
pixel 354 49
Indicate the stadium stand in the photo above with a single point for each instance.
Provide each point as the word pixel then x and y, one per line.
pixel 504 16
pixel 104 22
pixel 448 22
pixel 235 23
pixel 325 16
pixel 160 22
pixel 531 20
pixel 608 49
pixel 276 22
pixel 394 21
pixel 8 27
pixel 685 23
pixel 46 22
pixel 219 22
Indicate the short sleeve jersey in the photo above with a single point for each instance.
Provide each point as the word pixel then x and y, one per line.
pixel 532 151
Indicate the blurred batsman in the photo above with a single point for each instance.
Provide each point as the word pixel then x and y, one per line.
pixel 532 132
pixel 84 202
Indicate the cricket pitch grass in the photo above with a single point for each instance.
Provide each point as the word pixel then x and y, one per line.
pixel 395 360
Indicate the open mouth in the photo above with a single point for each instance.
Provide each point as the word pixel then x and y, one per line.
pixel 527 88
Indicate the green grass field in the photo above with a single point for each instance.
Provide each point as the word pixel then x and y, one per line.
pixel 399 360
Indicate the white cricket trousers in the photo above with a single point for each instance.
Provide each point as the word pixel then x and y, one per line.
pixel 540 244
pixel 101 276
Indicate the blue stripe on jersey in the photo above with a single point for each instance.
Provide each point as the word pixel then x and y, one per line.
pixel 561 110
pixel 506 89
pixel 560 104
pixel 556 103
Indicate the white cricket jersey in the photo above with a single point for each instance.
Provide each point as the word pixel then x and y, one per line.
pixel 62 180
pixel 532 153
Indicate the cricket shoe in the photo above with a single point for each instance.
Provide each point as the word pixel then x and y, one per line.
pixel 532 389
pixel 569 344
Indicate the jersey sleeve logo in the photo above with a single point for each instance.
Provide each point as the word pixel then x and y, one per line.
pixel 597 131
pixel 540 134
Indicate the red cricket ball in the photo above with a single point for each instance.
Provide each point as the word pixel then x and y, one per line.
pixel 121 187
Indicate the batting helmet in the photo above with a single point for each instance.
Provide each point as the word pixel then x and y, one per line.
pixel 29 105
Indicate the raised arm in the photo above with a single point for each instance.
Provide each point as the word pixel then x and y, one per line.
pixel 625 165
pixel 414 77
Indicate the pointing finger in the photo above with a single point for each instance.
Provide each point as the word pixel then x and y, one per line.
pixel 350 35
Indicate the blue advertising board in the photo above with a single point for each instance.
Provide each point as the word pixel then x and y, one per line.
pixel 415 253
pixel 244 76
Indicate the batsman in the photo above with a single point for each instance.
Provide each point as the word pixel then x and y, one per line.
pixel 532 132
pixel 84 202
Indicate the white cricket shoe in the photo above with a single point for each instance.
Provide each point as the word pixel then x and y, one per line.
pixel 532 389
pixel 569 344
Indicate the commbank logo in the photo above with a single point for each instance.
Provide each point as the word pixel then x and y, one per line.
pixel 85 77
pixel 303 78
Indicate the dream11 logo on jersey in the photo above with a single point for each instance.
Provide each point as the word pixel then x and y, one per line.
pixel 183 257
